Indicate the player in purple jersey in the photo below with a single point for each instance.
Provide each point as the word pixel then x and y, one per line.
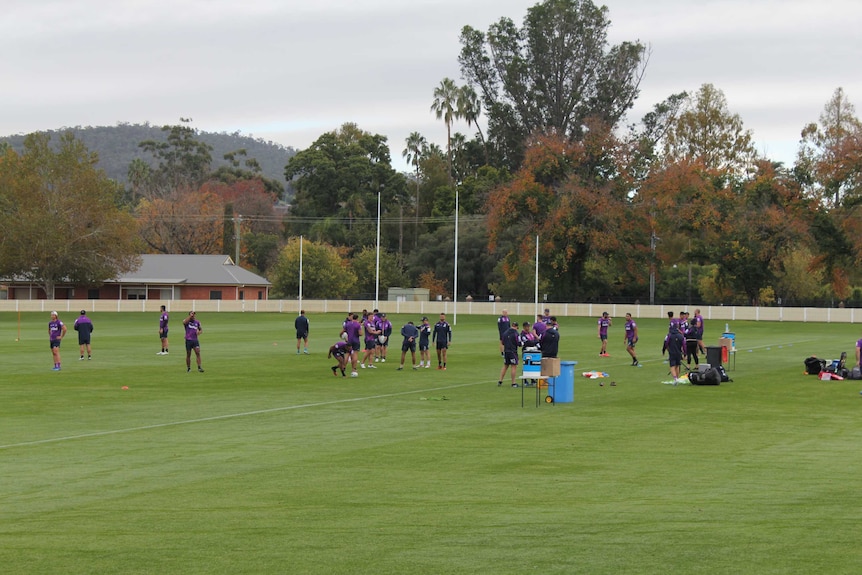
pixel 163 330
pixel 698 324
pixel 341 351
pixel 56 333
pixel 371 333
pixel 193 330
pixel 539 326
pixel 603 324
pixel 631 329
pixel 84 327
pixel 352 329
pixel 527 337
pixel 384 326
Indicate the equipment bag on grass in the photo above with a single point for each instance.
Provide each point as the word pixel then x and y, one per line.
pixel 814 365
pixel 709 377
pixel 722 373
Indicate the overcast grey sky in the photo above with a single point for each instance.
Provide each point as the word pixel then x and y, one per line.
pixel 290 70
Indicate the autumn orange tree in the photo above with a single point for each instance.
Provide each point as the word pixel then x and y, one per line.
pixel 186 223
pixel 575 197
pixel 829 165
pixel 767 218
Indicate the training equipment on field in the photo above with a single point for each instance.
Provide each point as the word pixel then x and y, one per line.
pixel 712 376
pixel 344 336
pixel 381 339
pixel 814 365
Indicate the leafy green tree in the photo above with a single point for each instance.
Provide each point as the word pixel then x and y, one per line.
pixel 245 170
pixel 60 217
pixel 707 132
pixel 798 280
pixel 437 248
pixel 551 75
pixel 261 250
pixel 337 181
pixel 184 162
pixel 364 266
pixel 325 273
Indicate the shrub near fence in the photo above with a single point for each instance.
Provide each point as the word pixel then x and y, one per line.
pixel 434 308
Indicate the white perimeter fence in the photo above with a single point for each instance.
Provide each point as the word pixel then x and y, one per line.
pixel 434 308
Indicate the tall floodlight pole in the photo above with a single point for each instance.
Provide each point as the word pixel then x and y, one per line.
pixel 300 272
pixel 455 290
pixel 536 310
pixel 377 273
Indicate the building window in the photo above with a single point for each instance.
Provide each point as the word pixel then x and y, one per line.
pixel 241 294
pixel 260 295
pixel 215 294
pixel 92 294
pixel 136 293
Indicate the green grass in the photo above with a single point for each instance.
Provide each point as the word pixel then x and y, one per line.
pixel 268 464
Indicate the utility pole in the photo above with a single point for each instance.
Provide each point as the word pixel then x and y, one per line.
pixel 237 221
pixel 653 239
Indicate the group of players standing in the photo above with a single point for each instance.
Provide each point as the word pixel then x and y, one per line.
pixel 684 338
pixel 543 335
pixel 375 330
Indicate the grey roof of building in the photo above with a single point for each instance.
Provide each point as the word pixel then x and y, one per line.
pixel 191 270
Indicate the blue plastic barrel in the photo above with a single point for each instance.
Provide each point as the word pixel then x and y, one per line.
pixel 563 386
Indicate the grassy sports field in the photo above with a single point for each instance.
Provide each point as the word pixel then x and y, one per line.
pixel 266 463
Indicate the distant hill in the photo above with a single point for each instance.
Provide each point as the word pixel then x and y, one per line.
pixel 117 146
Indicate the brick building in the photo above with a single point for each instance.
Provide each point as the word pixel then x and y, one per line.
pixel 164 277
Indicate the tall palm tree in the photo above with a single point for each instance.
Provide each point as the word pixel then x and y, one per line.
pixel 413 152
pixel 445 107
pixel 470 107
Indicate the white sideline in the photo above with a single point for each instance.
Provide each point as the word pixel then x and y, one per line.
pixel 227 416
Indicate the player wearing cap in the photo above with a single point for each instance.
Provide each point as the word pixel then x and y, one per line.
pixel 56 332
pixel 84 327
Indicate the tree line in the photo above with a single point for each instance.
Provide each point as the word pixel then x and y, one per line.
pixel 676 207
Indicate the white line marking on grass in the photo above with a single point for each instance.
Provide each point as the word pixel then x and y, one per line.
pixel 227 416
